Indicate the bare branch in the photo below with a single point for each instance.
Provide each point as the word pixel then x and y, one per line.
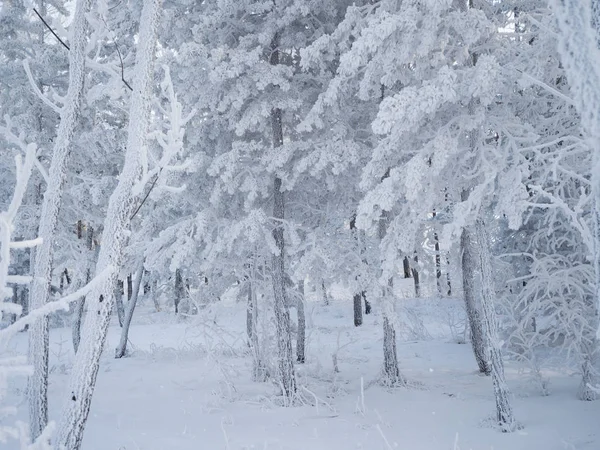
pixel 51 30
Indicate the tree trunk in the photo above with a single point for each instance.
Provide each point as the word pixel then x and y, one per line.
pixel 406 267
pixel 324 293
pixel 121 350
pixel 367 303
pixel 448 280
pixel 415 274
pixel 358 313
pixel 178 289
pixel 250 315
pixel 301 334
pixel 119 291
pixel 69 434
pixel 129 287
pixel 287 376
pixel 438 262
pixel 42 269
pixel 76 326
pixel 15 300
pixel 474 316
pixel 391 372
pixel 259 369
pixel 504 413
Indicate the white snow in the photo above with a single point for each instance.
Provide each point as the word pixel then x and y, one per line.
pixel 188 386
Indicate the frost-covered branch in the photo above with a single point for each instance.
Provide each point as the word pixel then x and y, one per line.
pixel 21 144
pixel 11 366
pixel 169 141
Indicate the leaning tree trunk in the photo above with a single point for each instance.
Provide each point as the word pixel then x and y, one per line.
pixel 301 334
pixel 285 357
pixel 119 292
pixel 504 413
pixel 121 350
pixel 473 311
pixel 120 207
pixel 42 269
pixel 474 316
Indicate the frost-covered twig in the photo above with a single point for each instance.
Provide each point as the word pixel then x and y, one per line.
pixel 170 141
pixel 15 366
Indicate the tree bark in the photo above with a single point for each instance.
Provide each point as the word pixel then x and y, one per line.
pixel 358 296
pixel 415 274
pixel 178 289
pixel 80 304
pixel 391 372
pixel 69 434
pixel 504 412
pixel 474 316
pixel 121 350
pixel 42 269
pixel 301 334
pixel 119 292
pixel 406 267
pixel 287 376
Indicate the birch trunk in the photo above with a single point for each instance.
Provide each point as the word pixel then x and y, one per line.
pixel 42 268
pixel 69 435
pixel 121 350
pixel 504 413
pixel 118 293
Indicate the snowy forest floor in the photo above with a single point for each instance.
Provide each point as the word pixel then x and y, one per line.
pixel 187 385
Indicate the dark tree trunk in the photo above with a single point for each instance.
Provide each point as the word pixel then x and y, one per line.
pixel 301 334
pixel 358 314
pixel 406 267
pixel 448 277
pixel 179 290
pixel 324 293
pixel 129 286
pixel 285 354
pixel 367 303
pixel 121 350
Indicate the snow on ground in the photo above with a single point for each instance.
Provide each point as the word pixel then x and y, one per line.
pixel 187 386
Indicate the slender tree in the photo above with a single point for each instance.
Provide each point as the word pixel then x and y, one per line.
pixel 86 365
pixel 42 268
